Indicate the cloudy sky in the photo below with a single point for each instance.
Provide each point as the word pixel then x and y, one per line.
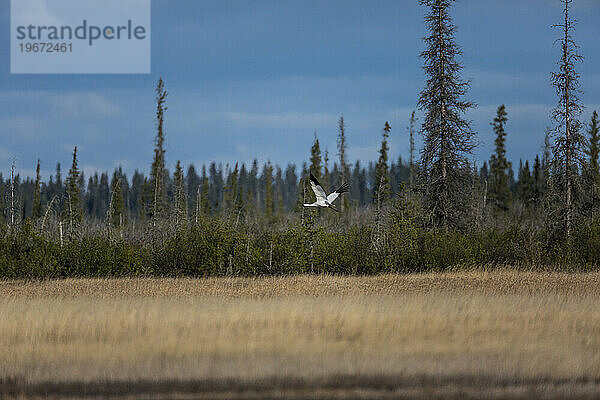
pixel 255 79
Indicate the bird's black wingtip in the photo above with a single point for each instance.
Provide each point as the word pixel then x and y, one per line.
pixel 343 188
pixel 313 178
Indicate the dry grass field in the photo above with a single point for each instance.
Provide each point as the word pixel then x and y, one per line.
pixel 477 334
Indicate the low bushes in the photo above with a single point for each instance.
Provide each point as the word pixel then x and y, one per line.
pixel 215 248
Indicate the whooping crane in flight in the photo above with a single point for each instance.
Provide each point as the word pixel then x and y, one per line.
pixel 324 200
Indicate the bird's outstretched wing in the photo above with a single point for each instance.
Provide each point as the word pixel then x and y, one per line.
pixel 317 188
pixel 342 189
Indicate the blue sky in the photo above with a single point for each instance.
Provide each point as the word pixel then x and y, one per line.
pixel 255 78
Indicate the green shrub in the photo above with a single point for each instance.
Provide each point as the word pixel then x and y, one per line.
pixel 214 247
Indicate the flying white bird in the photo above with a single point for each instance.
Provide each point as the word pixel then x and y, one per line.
pixel 324 200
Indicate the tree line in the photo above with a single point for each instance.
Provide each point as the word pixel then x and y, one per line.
pixel 211 181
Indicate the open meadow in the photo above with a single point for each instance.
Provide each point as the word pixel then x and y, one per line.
pixel 504 334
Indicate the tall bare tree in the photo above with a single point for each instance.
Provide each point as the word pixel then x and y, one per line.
pixel 568 140
pixel 449 139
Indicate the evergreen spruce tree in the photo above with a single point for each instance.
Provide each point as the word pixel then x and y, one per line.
pixel 484 172
pixel 381 193
pixel 192 182
pixel 499 188
pixel 204 200
pixel 315 158
pixel 145 200
pixel 81 183
pixel 234 199
pixel 216 187
pixel 363 185
pixel 445 172
pixel 381 188
pixel 180 196
pixel 291 184
pixel 539 181
pixel 301 194
pixel 126 188
pixel 158 173
pixel 593 149
pixel 72 209
pixel 568 140
pixel 342 148
pixel 252 190
pixel 525 185
pixel 268 187
pixel 243 181
pixel 279 191
pixel 117 215
pixel 36 210
pixel 91 196
pixel 231 190
pixel 103 195
pixel 135 201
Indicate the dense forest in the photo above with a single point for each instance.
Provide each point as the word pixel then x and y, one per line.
pixel 212 181
pixel 435 210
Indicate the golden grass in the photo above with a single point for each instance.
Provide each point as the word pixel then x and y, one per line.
pixel 506 327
